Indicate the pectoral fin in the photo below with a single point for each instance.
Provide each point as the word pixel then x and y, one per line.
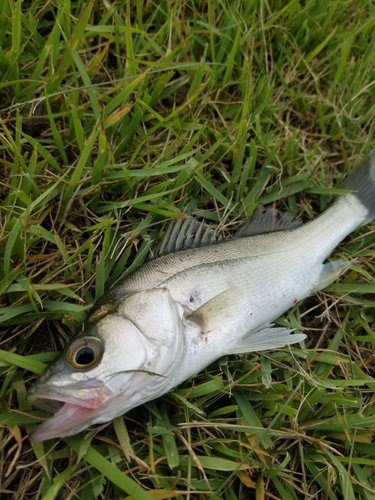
pixel 270 337
pixel 212 312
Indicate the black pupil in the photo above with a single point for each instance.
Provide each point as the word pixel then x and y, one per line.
pixel 85 356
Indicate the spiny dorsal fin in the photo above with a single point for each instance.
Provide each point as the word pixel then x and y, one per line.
pixel 186 233
pixel 191 233
pixel 266 221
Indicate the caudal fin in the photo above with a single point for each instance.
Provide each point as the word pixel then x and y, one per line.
pixel 362 185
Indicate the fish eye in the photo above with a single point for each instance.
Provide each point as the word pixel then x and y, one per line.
pixel 84 352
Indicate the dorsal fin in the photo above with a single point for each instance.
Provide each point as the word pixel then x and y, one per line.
pixel 191 233
pixel 266 221
pixel 186 233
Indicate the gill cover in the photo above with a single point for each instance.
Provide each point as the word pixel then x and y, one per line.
pixel 116 364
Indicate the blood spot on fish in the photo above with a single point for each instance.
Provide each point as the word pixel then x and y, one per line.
pixel 204 333
pixel 295 301
pixel 251 314
pixel 164 289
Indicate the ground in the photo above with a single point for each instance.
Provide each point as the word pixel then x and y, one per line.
pixel 118 117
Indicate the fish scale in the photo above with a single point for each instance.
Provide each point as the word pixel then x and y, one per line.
pixel 207 298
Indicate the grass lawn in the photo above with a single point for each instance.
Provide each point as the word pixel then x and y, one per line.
pixel 119 116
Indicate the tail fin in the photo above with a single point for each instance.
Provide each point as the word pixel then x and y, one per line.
pixel 362 183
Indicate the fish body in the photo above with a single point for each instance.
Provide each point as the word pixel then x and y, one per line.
pixel 183 310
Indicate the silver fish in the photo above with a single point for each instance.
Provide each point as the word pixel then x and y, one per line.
pixel 205 299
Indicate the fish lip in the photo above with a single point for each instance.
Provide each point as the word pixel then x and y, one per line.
pixel 53 398
pixel 68 420
pixel 71 413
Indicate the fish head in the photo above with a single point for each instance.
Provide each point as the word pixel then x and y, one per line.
pixel 115 364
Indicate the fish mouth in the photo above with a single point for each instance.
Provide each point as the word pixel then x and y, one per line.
pixel 71 414
pixel 78 405
pixel 68 420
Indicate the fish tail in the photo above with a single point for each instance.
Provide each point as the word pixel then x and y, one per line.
pixel 362 184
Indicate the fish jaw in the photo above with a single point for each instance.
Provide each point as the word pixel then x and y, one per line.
pixel 73 414
pixel 93 401
pixel 76 413
pixel 69 420
pixel 88 393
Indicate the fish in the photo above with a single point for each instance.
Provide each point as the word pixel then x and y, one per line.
pixel 198 299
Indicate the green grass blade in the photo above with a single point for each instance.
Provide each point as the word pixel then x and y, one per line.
pixel 119 478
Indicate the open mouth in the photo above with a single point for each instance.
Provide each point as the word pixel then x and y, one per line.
pixel 71 414
pixel 68 420
pixel 50 405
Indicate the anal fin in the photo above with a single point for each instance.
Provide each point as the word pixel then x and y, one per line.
pixel 269 337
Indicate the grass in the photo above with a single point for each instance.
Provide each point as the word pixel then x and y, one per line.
pixel 116 117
